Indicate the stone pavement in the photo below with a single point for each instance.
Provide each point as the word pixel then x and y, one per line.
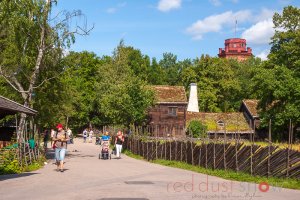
pixel 87 177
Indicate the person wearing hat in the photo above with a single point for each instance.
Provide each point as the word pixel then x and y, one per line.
pixel 60 141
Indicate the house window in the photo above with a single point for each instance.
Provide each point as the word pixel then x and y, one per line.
pixel 220 123
pixel 173 111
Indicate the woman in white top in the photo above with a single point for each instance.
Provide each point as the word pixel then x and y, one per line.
pixel 91 135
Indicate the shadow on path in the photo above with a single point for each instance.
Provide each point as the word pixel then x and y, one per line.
pixel 11 176
pixel 50 153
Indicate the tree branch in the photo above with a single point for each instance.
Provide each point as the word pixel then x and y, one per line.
pixel 47 79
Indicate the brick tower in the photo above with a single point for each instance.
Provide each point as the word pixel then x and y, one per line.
pixel 235 48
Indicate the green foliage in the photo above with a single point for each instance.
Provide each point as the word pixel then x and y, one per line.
pixel 86 89
pixel 10 164
pixel 277 81
pixel 123 98
pixel 197 129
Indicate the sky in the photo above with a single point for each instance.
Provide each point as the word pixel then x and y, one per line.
pixel 186 28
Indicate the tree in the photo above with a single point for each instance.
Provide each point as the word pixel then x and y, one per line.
pixel 172 69
pixel 79 80
pixel 277 81
pixel 32 45
pixel 122 96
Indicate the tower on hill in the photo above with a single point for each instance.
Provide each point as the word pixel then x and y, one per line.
pixel 235 48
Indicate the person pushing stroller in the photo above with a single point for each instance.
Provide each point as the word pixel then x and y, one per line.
pixel 105 147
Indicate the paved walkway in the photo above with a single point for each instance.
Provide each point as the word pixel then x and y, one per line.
pixel 87 177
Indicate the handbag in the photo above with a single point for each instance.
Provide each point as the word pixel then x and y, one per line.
pixel 54 145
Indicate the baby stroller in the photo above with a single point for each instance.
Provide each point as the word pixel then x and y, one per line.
pixel 105 153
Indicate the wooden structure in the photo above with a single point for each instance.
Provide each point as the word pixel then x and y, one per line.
pixel 249 109
pixel 258 160
pixel 168 117
pixel 220 124
pixel 9 107
pixel 235 48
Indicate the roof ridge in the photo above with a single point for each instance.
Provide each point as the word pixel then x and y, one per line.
pixel 17 103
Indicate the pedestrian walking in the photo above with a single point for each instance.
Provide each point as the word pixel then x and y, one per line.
pixel 84 134
pixel 91 133
pixel 69 132
pixel 60 143
pixel 119 142
pixel 52 134
pixel 46 138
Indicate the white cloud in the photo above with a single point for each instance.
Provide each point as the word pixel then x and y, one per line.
pixel 167 5
pixel 260 33
pixel 264 54
pixel 215 2
pixel 263 15
pixel 111 10
pixel 215 23
pixel 115 9
pixel 219 2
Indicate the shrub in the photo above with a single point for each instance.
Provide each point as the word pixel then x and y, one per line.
pixel 9 164
pixel 197 129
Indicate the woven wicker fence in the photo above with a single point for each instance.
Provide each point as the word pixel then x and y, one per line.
pixel 249 158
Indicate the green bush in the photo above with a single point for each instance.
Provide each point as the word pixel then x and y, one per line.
pixel 9 164
pixel 197 129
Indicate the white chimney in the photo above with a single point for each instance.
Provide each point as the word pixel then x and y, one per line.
pixel 193 100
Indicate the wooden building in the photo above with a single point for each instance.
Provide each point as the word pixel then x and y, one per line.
pixel 249 109
pixel 9 107
pixel 219 124
pixel 168 117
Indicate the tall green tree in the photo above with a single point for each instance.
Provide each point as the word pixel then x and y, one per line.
pixel 123 97
pixel 277 82
pixel 32 46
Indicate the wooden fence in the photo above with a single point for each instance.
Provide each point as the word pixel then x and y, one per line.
pixel 226 155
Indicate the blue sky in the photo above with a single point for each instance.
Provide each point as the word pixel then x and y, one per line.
pixel 186 28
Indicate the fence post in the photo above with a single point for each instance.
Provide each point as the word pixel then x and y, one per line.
pixel 186 153
pixel 152 153
pixel 156 148
pixel 147 150
pixel 206 156
pixel 251 148
pixel 176 150
pixel 224 147
pixel 199 161
pixel 288 150
pixel 214 153
pixel 170 150
pixel 181 151
pixel 165 150
pixel 138 147
pixel 192 147
pixel 269 149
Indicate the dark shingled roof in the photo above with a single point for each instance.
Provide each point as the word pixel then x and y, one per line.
pixel 169 94
pixel 234 122
pixel 9 107
pixel 251 105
